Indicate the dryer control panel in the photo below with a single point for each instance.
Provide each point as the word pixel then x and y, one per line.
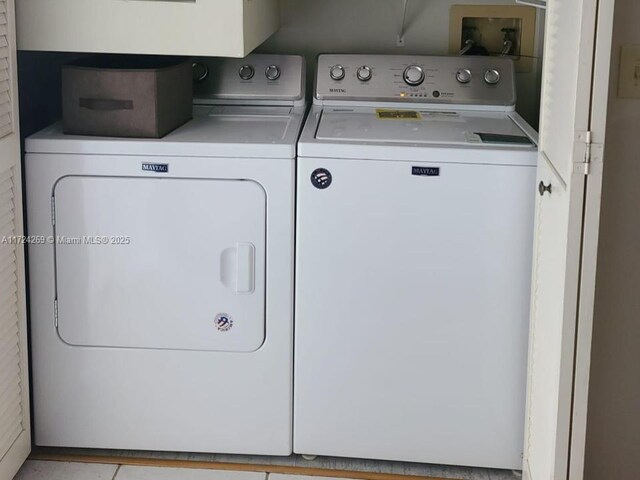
pixel 255 79
pixel 463 80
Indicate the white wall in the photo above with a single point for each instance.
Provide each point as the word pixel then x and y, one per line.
pixel 613 419
pixel 310 27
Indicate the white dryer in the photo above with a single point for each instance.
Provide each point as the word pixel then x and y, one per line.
pixel 416 183
pixel 161 273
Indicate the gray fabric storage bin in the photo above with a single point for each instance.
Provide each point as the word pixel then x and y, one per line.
pixel 126 96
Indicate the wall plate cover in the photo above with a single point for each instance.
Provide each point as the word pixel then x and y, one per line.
pixel 489 20
pixel 629 80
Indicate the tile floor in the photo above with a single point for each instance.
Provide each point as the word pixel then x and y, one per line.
pixel 321 462
pixel 48 470
pixel 44 470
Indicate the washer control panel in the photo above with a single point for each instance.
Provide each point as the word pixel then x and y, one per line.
pixel 463 80
pixel 255 77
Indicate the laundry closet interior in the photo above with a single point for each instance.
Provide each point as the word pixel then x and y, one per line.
pixel 298 237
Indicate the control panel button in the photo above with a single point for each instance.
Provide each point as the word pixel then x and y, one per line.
pixel 463 75
pixel 413 75
pixel 337 72
pixel 492 77
pixel 364 73
pixel 272 72
pixel 246 72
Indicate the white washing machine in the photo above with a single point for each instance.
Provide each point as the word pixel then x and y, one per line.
pixel 161 273
pixel 416 186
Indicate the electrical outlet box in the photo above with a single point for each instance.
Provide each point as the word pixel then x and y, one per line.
pixel 629 81
pixel 495 30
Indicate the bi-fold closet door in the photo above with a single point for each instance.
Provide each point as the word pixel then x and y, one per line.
pixel 15 430
pixel 573 120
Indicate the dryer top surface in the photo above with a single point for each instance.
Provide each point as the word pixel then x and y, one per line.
pixel 234 131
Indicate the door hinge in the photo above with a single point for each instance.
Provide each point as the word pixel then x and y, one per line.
pixel 585 138
pixel 587 153
pixel 53 210
pixel 55 312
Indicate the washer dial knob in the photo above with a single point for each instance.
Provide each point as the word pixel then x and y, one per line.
pixel 413 75
pixel 492 77
pixel 364 73
pixel 337 72
pixel 272 72
pixel 246 72
pixel 463 75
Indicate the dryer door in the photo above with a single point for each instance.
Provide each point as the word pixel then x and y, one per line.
pixel 160 263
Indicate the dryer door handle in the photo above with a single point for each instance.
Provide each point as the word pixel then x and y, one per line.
pixel 245 268
pixel 238 268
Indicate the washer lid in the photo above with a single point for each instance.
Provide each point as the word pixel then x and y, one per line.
pixel 378 126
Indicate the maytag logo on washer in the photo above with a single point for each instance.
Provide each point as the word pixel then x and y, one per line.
pixel 426 171
pixel 155 167
pixel 223 322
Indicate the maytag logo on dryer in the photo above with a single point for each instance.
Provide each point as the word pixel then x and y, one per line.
pixel 338 90
pixel 426 171
pixel 155 167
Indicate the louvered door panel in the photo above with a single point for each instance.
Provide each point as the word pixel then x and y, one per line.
pixel 10 375
pixel 15 441
pixel 6 123
pixel 558 286
pixel 566 83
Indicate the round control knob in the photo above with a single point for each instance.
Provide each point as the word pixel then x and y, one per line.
pixel 272 72
pixel 246 72
pixel 364 73
pixel 413 75
pixel 200 71
pixel 492 77
pixel 463 75
pixel 337 72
